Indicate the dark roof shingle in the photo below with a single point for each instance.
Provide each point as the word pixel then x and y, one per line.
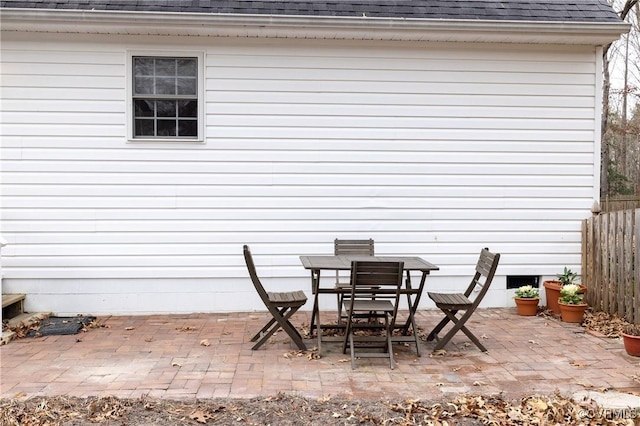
pixel 506 10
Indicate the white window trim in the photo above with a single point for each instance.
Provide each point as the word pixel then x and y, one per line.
pixel 200 94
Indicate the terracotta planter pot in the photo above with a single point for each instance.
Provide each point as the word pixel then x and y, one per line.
pixel 631 344
pixel 552 292
pixel 527 307
pixel 572 313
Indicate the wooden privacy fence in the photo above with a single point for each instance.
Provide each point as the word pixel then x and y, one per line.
pixel 611 263
pixel 620 202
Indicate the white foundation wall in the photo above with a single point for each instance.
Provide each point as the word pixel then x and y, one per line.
pixel 433 150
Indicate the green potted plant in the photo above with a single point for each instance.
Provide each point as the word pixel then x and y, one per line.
pixel 631 339
pixel 527 298
pixel 571 305
pixel 552 288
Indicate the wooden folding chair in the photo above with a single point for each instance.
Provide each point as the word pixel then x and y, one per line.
pixel 352 248
pixel 281 306
pixel 451 304
pixel 375 295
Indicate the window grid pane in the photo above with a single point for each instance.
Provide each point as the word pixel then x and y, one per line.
pixel 165 97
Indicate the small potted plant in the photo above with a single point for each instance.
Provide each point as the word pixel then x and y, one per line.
pixel 571 305
pixel 552 288
pixel 527 298
pixel 631 339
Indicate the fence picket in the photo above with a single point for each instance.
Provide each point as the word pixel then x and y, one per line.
pixel 621 202
pixel 627 242
pixel 611 263
pixel 636 280
pixel 619 262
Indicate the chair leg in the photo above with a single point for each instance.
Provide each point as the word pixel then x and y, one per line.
pixel 319 333
pixel 349 341
pixel 347 334
pixel 353 350
pixel 281 317
pixel 389 331
pixel 263 330
pixel 459 325
pixel 291 330
pixel 340 298
pixel 438 328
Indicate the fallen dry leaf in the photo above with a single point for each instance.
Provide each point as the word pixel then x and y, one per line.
pixel 129 328
pixel 200 416
pixel 97 324
pixel 205 342
pixel 537 404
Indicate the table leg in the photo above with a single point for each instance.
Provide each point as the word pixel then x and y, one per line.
pixel 413 307
pixel 315 313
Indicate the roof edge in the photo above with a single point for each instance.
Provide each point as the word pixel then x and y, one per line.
pixel 317 27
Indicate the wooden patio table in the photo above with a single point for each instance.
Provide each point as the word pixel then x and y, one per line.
pixel 316 264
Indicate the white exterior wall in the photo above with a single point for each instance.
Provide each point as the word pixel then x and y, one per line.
pixel 435 150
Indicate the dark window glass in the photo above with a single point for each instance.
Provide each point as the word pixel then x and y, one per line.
pixel 165 91
pixel 144 108
pixel 165 67
pixel 166 127
pixel 166 108
pixel 188 67
pixel 143 66
pixel 143 86
pixel 187 108
pixel 187 128
pixel 165 86
pixel 144 128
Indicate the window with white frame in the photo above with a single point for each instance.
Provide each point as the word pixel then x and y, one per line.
pixel 165 95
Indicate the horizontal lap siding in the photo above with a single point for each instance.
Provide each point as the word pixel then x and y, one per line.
pixel 432 150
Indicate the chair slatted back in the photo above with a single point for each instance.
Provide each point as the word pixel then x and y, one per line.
pixel 485 271
pixel 354 248
pixel 248 258
pixel 377 280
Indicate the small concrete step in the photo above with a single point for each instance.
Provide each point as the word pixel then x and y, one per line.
pixel 12 305
pixel 10 299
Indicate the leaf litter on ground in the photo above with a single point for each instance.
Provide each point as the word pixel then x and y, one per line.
pixel 284 409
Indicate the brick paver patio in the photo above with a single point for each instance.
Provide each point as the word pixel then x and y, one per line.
pixel 163 356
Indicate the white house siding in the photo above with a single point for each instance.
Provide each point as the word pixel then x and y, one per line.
pixel 435 150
